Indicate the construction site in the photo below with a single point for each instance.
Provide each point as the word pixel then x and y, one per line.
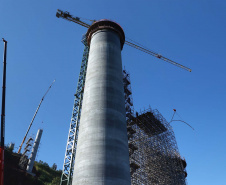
pixel 153 153
pixel 108 141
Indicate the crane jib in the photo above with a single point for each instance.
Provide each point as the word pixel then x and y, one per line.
pixel 34 117
pixel 66 15
pixel 156 55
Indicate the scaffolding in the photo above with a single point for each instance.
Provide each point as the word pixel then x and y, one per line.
pixel 24 157
pixel 154 155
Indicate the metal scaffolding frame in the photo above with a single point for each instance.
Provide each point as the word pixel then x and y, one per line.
pixel 24 157
pixel 68 166
pixel 154 155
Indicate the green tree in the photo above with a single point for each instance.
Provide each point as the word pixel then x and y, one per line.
pixel 54 167
pixel 55 181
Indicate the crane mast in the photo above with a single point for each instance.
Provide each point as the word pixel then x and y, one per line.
pixel 66 15
pixel 67 172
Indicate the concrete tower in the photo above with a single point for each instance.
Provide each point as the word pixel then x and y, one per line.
pixel 102 156
pixel 34 151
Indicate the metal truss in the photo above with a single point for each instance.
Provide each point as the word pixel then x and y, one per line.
pixel 27 150
pixel 153 152
pixel 68 167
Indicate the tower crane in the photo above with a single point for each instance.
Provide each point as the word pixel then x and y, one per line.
pixel 66 15
pixel 67 171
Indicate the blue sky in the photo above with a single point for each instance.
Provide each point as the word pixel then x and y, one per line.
pixel 42 48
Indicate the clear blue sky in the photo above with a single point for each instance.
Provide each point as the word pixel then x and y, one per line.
pixel 42 48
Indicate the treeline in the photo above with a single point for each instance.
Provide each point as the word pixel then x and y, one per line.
pixel 42 173
pixel 47 175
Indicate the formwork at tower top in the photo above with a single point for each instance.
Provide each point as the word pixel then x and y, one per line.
pixel 154 155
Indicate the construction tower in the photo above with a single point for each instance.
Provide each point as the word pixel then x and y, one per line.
pixel 97 146
pixel 102 155
pixel 24 157
pixel 34 151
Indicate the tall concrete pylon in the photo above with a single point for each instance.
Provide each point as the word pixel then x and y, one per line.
pixel 102 155
pixel 34 151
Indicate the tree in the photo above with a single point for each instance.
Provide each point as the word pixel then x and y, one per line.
pixel 55 181
pixel 54 167
pixel 40 161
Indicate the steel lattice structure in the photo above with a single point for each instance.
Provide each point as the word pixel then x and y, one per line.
pixel 24 157
pixel 67 172
pixel 154 155
pixel 156 159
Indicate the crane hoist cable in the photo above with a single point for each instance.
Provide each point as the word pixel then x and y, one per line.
pixel 34 117
pixel 66 15
pixel 175 112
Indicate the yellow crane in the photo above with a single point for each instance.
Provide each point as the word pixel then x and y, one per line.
pixel 66 15
pixel 34 118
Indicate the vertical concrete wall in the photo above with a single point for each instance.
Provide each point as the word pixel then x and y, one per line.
pixel 102 156
pixel 34 151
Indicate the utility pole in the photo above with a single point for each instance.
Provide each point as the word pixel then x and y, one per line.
pixel 3 117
